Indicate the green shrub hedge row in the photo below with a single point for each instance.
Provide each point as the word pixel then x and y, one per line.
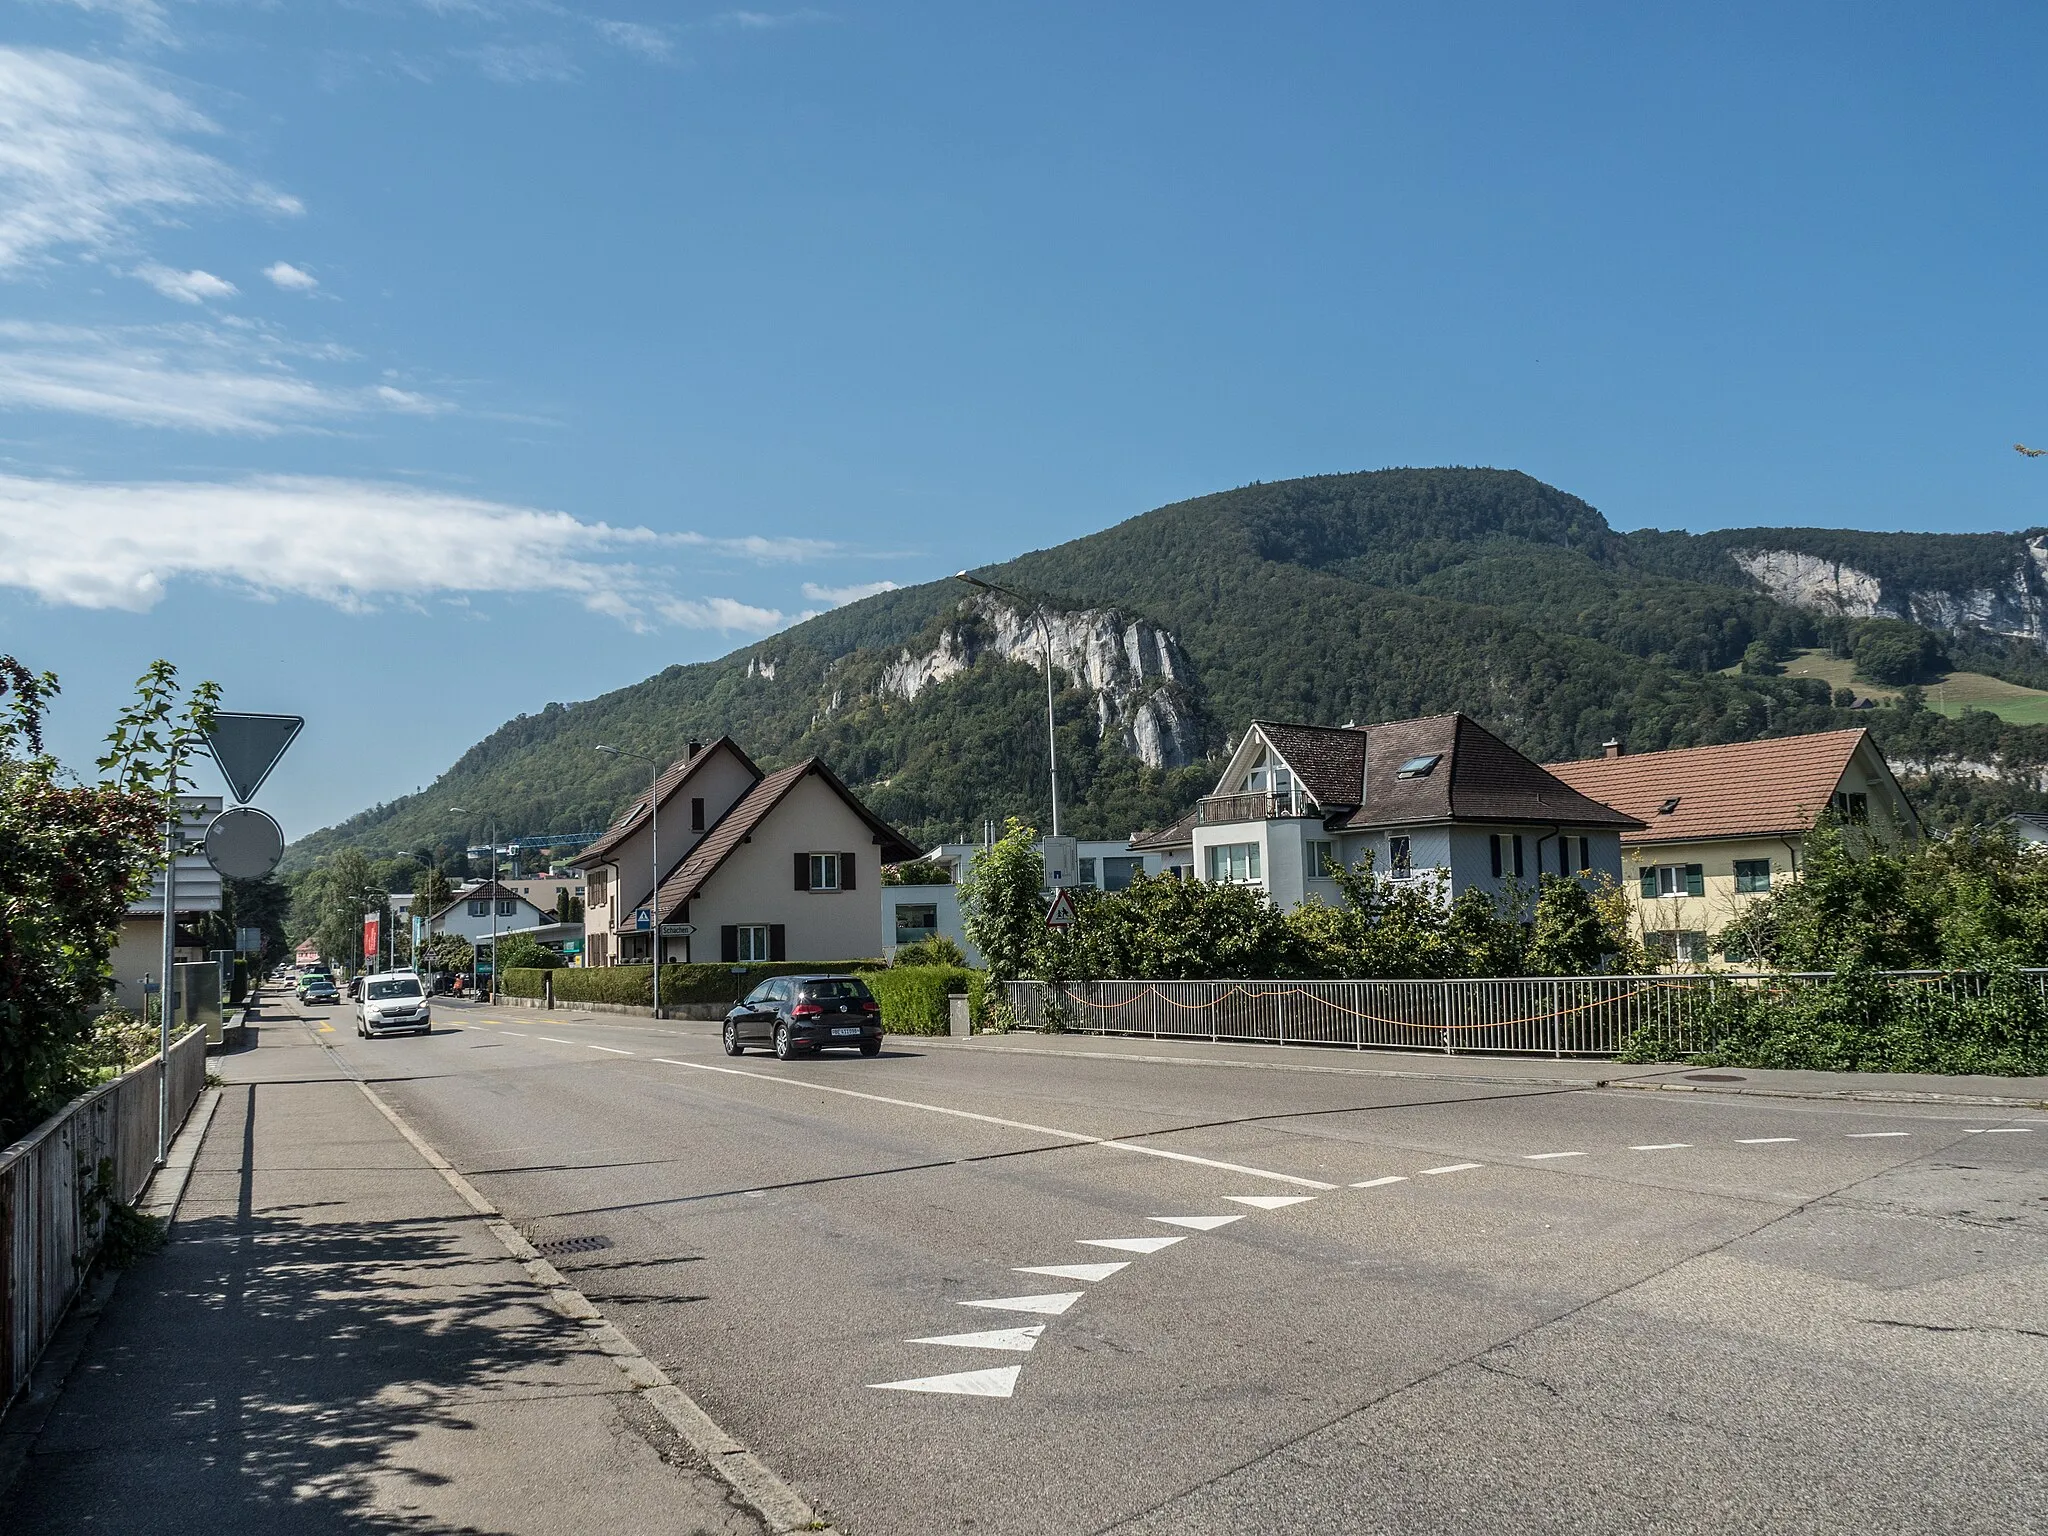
pixel 913 997
pixel 633 985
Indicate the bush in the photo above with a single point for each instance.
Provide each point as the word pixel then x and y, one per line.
pixel 522 951
pixel 913 997
pixel 938 950
pixel 521 981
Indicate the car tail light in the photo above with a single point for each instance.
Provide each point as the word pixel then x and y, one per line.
pixel 871 1006
pixel 805 1011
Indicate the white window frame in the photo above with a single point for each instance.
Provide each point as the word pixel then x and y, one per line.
pixel 753 943
pixel 1234 864
pixel 1400 858
pixel 1319 855
pixel 824 871
pixel 1670 881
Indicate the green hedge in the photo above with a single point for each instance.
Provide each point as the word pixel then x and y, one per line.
pixel 913 997
pixel 633 985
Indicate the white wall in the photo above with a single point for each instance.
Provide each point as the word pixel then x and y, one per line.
pixel 944 897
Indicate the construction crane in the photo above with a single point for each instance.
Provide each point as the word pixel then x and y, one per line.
pixel 513 845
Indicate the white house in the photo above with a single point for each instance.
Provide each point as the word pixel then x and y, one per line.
pixel 753 866
pixel 486 908
pixel 1440 794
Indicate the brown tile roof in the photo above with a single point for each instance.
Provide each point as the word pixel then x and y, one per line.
pixel 1329 760
pixel 1742 789
pixel 753 808
pixel 1180 835
pixel 672 779
pixel 483 890
pixel 1479 777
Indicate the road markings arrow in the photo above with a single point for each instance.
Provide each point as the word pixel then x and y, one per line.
pixel 995 1338
pixel 1073 1271
pixel 1131 1244
pixel 1198 1223
pixel 997 1381
pixel 1052 1303
pixel 1270 1202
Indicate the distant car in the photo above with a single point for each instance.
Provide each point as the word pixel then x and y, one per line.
pixel 806 1014
pixel 318 988
pixel 355 988
pixel 394 1002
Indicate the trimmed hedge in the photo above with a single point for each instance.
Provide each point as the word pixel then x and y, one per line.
pixel 913 997
pixel 633 985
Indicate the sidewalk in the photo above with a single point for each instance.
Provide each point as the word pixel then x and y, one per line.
pixel 332 1341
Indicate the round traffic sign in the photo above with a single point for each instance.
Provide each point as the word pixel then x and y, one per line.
pixel 244 844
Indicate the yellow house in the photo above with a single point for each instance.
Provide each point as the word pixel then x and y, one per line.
pixel 1722 825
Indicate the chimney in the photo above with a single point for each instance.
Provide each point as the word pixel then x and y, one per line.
pixel 695 748
pixel 1611 748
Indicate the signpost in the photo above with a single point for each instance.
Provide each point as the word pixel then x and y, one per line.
pixel 1060 915
pixel 677 930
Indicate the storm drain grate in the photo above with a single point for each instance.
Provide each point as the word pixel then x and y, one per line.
pixel 589 1244
pixel 1715 1077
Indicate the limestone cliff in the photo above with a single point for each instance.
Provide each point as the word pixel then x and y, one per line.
pixel 2016 607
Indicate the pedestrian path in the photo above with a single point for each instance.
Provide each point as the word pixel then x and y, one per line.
pixel 333 1341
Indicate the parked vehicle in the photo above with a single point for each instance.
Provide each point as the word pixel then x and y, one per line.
pixel 394 1002
pixel 806 1014
pixel 318 987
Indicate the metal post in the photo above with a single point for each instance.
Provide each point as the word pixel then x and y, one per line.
pixel 172 837
pixel 654 845
pixel 493 995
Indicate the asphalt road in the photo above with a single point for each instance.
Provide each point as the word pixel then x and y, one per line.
pixel 1385 1304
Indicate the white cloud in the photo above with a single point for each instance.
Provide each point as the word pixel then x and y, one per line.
pixel 525 63
pixel 648 42
pixel 200 377
pixel 88 149
pixel 144 18
pixel 838 597
pixel 192 287
pixel 767 21
pixel 360 546
pixel 290 278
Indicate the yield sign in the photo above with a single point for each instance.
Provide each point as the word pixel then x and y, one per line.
pixel 1061 913
pixel 247 747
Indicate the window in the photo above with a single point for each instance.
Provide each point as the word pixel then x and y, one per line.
pixel 1398 865
pixel 599 893
pixel 1662 880
pixel 508 906
pixel 915 922
pixel 824 871
pixel 1686 945
pixel 1321 857
pixel 697 813
pixel 1852 807
pixel 1088 873
pixel 1118 873
pixel 753 941
pixel 476 908
pixel 1418 767
pixel 1234 863
pixel 1752 875
pixel 1566 864
pixel 380 990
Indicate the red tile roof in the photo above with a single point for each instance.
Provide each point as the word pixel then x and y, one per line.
pixel 1770 788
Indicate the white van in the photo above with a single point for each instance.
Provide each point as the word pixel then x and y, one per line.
pixel 393 1002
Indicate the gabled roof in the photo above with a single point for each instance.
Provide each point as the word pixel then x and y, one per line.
pixel 1329 761
pixel 672 779
pixel 1180 835
pixel 1476 777
pixel 486 890
pixel 753 808
pixel 1775 788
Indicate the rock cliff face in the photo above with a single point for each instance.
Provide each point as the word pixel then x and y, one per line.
pixel 2016 607
pixel 1136 672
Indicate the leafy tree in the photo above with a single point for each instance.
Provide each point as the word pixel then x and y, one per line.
pixel 917 872
pixel 1569 935
pixel 1163 929
pixel 1893 651
pixel 330 902
pixel 451 952
pixel 524 950
pixel 937 950
pixel 1000 902
pixel 1760 659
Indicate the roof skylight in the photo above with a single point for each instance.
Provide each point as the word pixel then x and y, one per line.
pixel 1418 767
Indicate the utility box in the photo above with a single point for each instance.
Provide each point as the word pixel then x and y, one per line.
pixel 1062 862
pixel 196 999
pixel 959 1020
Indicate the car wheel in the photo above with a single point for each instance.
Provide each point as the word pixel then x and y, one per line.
pixel 732 1039
pixel 783 1048
pixel 871 1047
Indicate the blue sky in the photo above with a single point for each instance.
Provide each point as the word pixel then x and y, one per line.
pixel 413 363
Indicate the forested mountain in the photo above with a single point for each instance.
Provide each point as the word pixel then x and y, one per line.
pixel 1340 597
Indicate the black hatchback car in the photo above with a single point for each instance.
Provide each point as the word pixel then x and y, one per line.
pixel 806 1014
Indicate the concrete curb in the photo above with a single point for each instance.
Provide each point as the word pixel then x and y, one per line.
pixel 781 1506
pixel 1847 1095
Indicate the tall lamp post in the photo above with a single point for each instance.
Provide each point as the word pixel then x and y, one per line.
pixel 654 854
pixel 491 998
pixel 1052 750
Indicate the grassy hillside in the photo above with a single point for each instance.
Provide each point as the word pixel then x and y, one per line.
pixel 1339 597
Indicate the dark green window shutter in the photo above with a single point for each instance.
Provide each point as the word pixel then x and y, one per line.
pixel 1518 855
pixel 803 871
pixel 729 943
pixel 1495 840
pixel 778 943
pixel 1695 880
pixel 846 871
pixel 1649 883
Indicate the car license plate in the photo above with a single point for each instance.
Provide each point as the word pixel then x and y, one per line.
pixel 846 1031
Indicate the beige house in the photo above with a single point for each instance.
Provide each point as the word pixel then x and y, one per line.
pixel 1723 825
pixel 754 867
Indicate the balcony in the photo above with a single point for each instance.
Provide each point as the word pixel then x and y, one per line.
pixel 1257 805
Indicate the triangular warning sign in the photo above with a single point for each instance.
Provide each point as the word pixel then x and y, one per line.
pixel 247 747
pixel 1061 913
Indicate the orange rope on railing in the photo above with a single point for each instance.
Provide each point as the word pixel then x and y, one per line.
pixel 1371 1018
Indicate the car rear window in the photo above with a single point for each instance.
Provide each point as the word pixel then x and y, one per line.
pixel 383 989
pixel 835 991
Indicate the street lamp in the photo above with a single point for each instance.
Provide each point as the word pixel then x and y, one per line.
pixel 654 854
pixel 491 998
pixel 1052 750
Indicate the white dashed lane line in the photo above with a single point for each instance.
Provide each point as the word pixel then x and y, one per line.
pixel 1392 1178
pixel 1998 1130
pixel 611 1048
pixel 1873 1135
pixel 1540 1157
pixel 1449 1168
pixel 1662 1146
pixel 1762 1141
